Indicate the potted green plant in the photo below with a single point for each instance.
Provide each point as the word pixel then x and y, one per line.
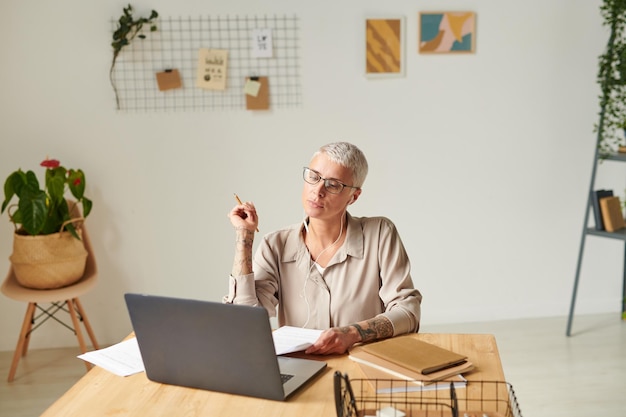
pixel 47 247
pixel 612 80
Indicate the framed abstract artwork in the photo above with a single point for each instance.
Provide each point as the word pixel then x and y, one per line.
pixel 447 32
pixel 384 47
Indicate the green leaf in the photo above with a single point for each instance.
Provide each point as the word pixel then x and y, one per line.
pixel 76 183
pixel 33 210
pixel 55 184
pixel 57 214
pixel 72 229
pixel 31 184
pixel 12 185
pixel 87 205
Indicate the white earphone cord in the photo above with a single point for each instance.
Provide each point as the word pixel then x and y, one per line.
pixel 308 275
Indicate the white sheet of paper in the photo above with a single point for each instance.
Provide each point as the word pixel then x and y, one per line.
pixel 121 359
pixel 262 43
pixel 289 339
pixel 389 412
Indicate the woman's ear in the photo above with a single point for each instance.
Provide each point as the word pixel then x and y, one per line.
pixel 355 196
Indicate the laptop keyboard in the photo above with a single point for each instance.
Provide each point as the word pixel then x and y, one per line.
pixel 285 377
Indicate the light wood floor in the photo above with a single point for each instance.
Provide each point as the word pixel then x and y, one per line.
pixel 552 375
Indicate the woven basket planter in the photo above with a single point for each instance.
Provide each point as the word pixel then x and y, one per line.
pixel 48 261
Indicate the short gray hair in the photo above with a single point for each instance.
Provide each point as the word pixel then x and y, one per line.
pixel 349 156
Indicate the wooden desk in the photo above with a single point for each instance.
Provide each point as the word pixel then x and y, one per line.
pixel 100 393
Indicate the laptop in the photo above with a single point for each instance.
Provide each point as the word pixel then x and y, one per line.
pixel 214 346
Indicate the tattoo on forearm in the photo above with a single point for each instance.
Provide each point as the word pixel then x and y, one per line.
pixel 377 328
pixel 244 237
pixel 382 327
pixel 362 332
pixel 242 263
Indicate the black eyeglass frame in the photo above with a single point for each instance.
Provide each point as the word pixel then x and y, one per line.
pixel 326 181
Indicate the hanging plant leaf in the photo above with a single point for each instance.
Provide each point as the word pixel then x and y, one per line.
pixel 128 28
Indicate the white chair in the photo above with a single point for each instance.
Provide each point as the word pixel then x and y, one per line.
pixel 60 300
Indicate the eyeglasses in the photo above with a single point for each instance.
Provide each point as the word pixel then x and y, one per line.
pixel 332 186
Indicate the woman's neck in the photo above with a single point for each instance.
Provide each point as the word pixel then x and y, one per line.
pixel 325 232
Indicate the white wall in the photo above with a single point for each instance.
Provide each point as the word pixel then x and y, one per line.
pixel 483 161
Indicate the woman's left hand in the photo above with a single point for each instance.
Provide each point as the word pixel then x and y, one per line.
pixel 335 340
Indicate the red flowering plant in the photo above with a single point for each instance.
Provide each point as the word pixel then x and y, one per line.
pixel 43 212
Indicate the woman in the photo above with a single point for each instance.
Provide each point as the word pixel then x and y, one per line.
pixel 345 275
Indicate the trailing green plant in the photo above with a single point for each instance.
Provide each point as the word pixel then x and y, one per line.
pixel 612 79
pixel 127 29
pixel 44 211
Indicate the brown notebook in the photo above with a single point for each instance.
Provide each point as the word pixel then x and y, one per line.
pixel 612 216
pixel 414 354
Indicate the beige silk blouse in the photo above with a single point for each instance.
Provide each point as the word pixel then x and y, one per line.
pixel 368 276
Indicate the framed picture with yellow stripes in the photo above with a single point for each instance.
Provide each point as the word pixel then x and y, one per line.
pixel 447 32
pixel 384 47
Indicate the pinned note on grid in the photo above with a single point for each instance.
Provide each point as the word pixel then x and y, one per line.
pixel 260 101
pixel 252 87
pixel 262 43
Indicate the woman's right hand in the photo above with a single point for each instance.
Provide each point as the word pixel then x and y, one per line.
pixel 244 216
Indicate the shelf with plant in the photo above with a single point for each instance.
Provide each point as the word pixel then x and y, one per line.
pixel 612 80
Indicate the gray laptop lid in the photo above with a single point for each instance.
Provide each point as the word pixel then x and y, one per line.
pixel 214 346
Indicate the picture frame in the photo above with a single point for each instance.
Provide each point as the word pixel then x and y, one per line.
pixel 384 46
pixel 447 32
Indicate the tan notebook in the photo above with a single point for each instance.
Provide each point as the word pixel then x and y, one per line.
pixel 371 364
pixel 612 216
pixel 414 354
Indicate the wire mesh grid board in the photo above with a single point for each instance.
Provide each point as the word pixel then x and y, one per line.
pixel 176 45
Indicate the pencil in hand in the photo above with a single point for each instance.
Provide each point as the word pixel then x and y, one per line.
pixel 239 201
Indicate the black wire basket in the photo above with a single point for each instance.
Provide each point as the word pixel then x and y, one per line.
pixel 400 398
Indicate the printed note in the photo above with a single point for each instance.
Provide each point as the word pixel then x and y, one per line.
pixel 212 69
pixel 262 43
